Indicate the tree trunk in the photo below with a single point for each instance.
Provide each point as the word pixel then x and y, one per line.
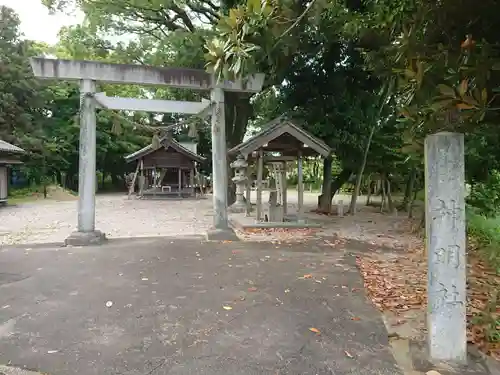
pixel 231 186
pixel 316 177
pixel 336 184
pixel 359 177
pixel 339 181
pixel 238 111
pixel 370 191
pixel 324 200
pixel 422 221
pixel 59 178
pixel 117 182
pixel 410 185
pixel 382 203
pixel 390 203
pixel 412 201
pixel 70 182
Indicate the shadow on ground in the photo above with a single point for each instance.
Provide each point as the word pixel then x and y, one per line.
pixel 171 306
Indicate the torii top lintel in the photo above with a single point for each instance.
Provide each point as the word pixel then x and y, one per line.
pixel 139 74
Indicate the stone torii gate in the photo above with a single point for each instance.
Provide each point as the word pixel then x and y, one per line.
pixel 90 72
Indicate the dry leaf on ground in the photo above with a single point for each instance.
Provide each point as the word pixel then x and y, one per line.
pixel 399 284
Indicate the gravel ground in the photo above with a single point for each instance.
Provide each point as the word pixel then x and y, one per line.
pixel 53 221
pixel 50 221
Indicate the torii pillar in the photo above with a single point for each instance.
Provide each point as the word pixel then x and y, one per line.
pixel 91 72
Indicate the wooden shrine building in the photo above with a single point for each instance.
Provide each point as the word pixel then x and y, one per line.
pixel 281 142
pixel 9 155
pixel 167 171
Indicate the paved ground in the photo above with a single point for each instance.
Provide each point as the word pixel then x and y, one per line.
pixel 168 317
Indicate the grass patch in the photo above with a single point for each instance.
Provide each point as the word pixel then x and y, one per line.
pixel 36 193
pixel 25 199
pixel 487 232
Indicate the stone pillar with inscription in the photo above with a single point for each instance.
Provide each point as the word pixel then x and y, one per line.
pixel 446 242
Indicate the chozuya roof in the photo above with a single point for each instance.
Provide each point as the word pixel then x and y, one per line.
pixel 165 142
pixel 276 128
pixel 7 147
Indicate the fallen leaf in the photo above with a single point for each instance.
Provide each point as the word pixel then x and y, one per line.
pixel 252 289
pixel 315 330
pixel 348 354
pixel 227 307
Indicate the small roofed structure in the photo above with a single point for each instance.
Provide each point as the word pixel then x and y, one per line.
pixel 9 155
pixel 280 142
pixel 284 136
pixel 167 171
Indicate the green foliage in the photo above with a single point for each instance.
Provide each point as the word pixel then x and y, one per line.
pixel 485 196
pixel 19 93
pixel 26 191
pixel 238 37
pixel 487 232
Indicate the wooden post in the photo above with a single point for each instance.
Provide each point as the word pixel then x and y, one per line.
pixel 191 182
pixel 260 172
pixel 300 187
pixel 132 185
pixel 4 183
pixel 179 193
pixel 201 182
pixel 284 187
pixel 142 179
pixel 155 181
pixel 247 195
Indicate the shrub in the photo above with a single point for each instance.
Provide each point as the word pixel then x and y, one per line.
pixel 487 232
pixel 485 196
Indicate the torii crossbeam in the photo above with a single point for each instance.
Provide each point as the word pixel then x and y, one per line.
pixel 90 72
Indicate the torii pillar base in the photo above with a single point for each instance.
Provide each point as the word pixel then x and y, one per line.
pixel 222 235
pixel 86 238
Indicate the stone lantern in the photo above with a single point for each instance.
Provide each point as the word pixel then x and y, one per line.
pixel 240 179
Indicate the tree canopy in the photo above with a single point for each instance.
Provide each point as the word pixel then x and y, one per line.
pixel 371 78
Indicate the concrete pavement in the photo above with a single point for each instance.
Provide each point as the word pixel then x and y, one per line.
pixel 183 306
